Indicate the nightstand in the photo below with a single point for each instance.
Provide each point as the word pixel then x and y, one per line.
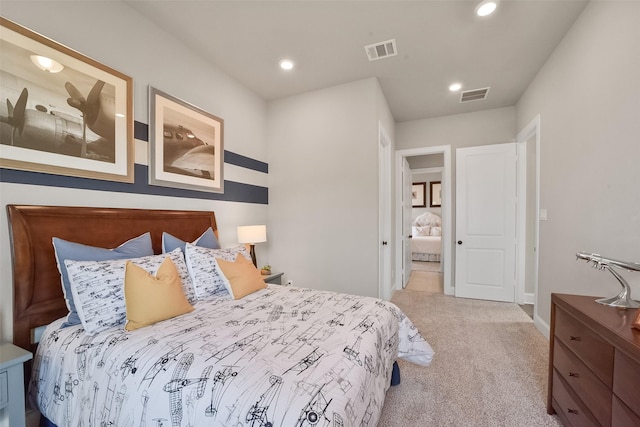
pixel 274 278
pixel 12 378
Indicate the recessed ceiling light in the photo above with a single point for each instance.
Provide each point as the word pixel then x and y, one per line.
pixel 287 64
pixel 486 7
pixel 454 87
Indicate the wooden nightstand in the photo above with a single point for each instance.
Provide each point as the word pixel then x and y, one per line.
pixel 274 278
pixel 12 378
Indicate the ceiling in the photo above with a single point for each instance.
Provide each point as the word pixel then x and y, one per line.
pixel 438 43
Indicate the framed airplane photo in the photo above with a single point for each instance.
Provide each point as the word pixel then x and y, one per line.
pixel 62 112
pixel 185 145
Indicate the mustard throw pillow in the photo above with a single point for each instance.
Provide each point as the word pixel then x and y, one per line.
pixel 243 278
pixel 150 299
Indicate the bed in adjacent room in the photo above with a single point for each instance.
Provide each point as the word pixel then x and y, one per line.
pixel 426 238
pixel 227 350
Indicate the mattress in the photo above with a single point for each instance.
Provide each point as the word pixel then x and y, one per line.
pixel 426 244
pixel 281 356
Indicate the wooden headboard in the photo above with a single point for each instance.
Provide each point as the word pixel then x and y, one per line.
pixel 37 292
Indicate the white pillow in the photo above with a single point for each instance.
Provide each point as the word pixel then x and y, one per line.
pixel 436 231
pixel 424 230
pixel 98 288
pixel 208 280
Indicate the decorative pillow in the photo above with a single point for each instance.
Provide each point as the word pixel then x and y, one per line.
pixel 98 288
pixel 208 280
pixel 150 299
pixel 241 277
pixel 436 231
pixel 207 239
pixel 64 250
pixel 424 230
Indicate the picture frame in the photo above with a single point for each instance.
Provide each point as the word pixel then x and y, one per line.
pixel 186 145
pixel 62 112
pixel 418 195
pixel 435 194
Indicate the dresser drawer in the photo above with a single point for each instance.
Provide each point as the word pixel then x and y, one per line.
pixel 4 389
pixel 623 416
pixel 626 382
pixel 596 353
pixel 573 411
pixel 593 393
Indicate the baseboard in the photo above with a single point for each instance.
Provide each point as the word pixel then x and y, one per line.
pixel 542 326
pixel 529 298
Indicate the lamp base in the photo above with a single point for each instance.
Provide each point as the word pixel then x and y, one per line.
pixel 252 252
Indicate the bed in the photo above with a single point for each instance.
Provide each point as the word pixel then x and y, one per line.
pixel 426 238
pixel 277 356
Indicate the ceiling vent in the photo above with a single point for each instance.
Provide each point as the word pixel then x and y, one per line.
pixel 381 50
pixel 474 94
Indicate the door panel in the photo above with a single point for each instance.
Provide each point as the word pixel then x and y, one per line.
pixel 486 222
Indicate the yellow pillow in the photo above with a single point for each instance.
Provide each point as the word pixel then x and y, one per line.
pixel 243 278
pixel 150 299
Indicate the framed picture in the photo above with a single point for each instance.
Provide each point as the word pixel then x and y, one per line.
pixel 435 194
pixel 62 112
pixel 418 195
pixel 185 145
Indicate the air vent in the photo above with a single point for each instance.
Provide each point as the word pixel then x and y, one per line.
pixel 381 50
pixel 474 94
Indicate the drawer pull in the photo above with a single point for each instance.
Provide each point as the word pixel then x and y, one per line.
pixel 573 411
pixel 572 338
pixel 574 374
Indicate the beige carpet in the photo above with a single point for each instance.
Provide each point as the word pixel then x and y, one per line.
pixel 425 281
pixel 425 266
pixel 490 366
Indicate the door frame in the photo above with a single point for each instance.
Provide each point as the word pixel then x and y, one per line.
pixel 531 130
pixel 447 209
pixel 385 228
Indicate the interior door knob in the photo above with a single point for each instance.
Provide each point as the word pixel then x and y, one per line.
pixel 459 242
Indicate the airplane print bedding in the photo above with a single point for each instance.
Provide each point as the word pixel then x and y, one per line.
pixel 282 356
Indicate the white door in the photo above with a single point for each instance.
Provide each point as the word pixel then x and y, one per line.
pixel 486 222
pixel 407 206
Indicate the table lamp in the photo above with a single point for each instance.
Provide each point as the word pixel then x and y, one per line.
pixel 252 234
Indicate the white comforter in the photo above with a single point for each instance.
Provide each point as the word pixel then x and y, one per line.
pixel 281 356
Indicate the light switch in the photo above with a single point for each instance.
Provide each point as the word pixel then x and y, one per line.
pixel 543 214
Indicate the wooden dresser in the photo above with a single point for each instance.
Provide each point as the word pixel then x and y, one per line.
pixel 594 363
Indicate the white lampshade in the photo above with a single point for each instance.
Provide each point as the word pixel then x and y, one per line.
pixel 252 234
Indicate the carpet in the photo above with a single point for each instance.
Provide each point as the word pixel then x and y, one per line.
pixel 425 281
pixel 490 366
pixel 425 266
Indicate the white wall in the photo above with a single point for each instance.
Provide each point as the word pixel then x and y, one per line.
pixel 588 97
pixel 323 209
pixel 116 35
pixel 426 178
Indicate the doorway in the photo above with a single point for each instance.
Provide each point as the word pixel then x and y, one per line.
pixel 426 227
pixel 403 224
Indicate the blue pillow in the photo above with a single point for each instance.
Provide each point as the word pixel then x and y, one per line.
pixel 64 250
pixel 206 240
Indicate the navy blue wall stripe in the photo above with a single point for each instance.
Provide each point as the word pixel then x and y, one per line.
pixel 233 191
pixel 245 162
pixel 141 132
